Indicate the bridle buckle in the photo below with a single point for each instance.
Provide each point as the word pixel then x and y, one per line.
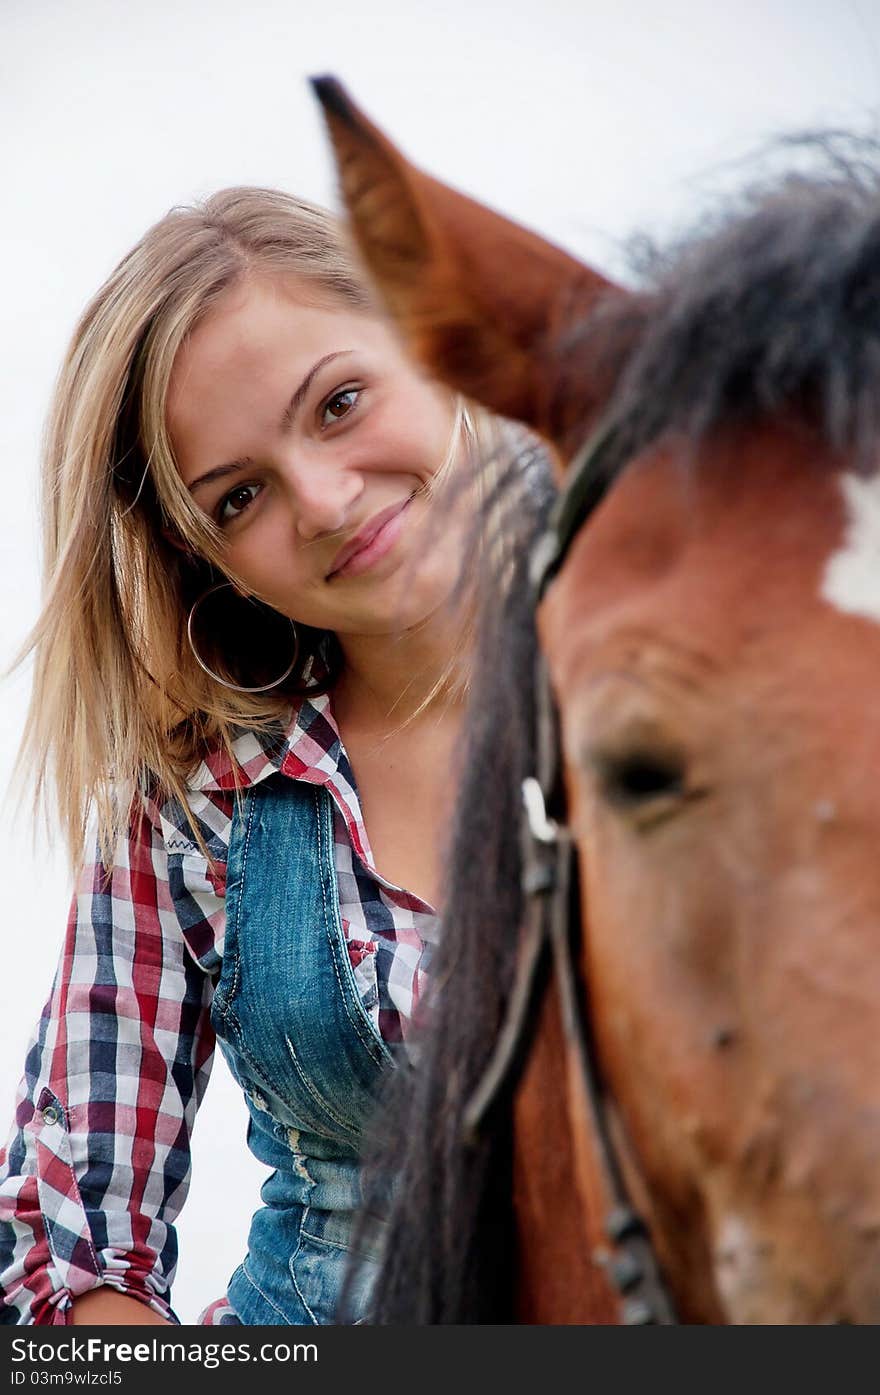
pixel 543 829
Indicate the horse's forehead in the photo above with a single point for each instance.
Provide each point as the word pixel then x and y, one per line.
pixel 763 530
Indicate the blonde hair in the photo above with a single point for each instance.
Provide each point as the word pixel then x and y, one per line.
pixel 119 702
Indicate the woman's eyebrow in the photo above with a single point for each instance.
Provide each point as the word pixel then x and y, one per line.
pixel 296 400
pixel 287 418
pixel 231 468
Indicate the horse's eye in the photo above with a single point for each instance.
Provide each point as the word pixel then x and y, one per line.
pixel 641 782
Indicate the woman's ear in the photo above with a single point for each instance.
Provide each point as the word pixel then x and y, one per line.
pixel 483 302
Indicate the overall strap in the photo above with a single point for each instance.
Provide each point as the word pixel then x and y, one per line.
pixel 287 1001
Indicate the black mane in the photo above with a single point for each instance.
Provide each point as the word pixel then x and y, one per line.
pixel 778 307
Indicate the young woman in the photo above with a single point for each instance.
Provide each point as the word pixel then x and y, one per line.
pixel 249 683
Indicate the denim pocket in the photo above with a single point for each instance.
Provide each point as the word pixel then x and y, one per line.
pixel 319 1268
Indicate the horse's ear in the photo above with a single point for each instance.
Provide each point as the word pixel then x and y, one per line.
pixel 481 301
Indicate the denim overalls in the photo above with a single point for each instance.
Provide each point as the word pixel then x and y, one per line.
pixel 298 1040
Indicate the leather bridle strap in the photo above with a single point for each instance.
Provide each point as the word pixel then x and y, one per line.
pixel 551 935
pixel 588 480
pixel 590 475
pixel 621 1242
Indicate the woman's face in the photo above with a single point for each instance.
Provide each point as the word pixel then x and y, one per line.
pixel 302 429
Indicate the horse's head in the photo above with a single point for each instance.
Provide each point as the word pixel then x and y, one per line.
pixel 713 640
pixel 715 660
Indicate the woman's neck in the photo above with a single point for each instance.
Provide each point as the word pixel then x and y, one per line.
pixel 389 679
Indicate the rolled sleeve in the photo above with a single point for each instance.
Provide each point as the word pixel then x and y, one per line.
pixel 97 1165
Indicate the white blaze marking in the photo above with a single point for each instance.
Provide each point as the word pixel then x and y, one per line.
pixel 852 574
pixel 740 1266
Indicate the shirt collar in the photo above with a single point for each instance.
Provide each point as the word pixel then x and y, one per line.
pixel 306 747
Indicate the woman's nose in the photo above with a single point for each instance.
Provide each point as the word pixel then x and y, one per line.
pixel 322 496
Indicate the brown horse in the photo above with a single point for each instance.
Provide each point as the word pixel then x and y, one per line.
pixel 713 641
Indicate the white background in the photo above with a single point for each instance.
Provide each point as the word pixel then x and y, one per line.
pixel 586 120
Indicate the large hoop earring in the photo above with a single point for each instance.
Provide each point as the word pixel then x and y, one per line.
pixel 224 682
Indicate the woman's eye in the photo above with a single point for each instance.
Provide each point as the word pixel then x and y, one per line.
pixel 339 405
pixel 233 504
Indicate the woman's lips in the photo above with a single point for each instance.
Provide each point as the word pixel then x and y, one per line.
pixel 374 540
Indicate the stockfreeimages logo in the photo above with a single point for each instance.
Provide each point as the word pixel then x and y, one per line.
pixel 210 1355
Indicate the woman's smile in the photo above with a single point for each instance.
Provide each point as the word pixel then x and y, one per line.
pixel 373 542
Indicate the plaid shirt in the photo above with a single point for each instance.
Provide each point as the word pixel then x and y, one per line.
pixel 97 1165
